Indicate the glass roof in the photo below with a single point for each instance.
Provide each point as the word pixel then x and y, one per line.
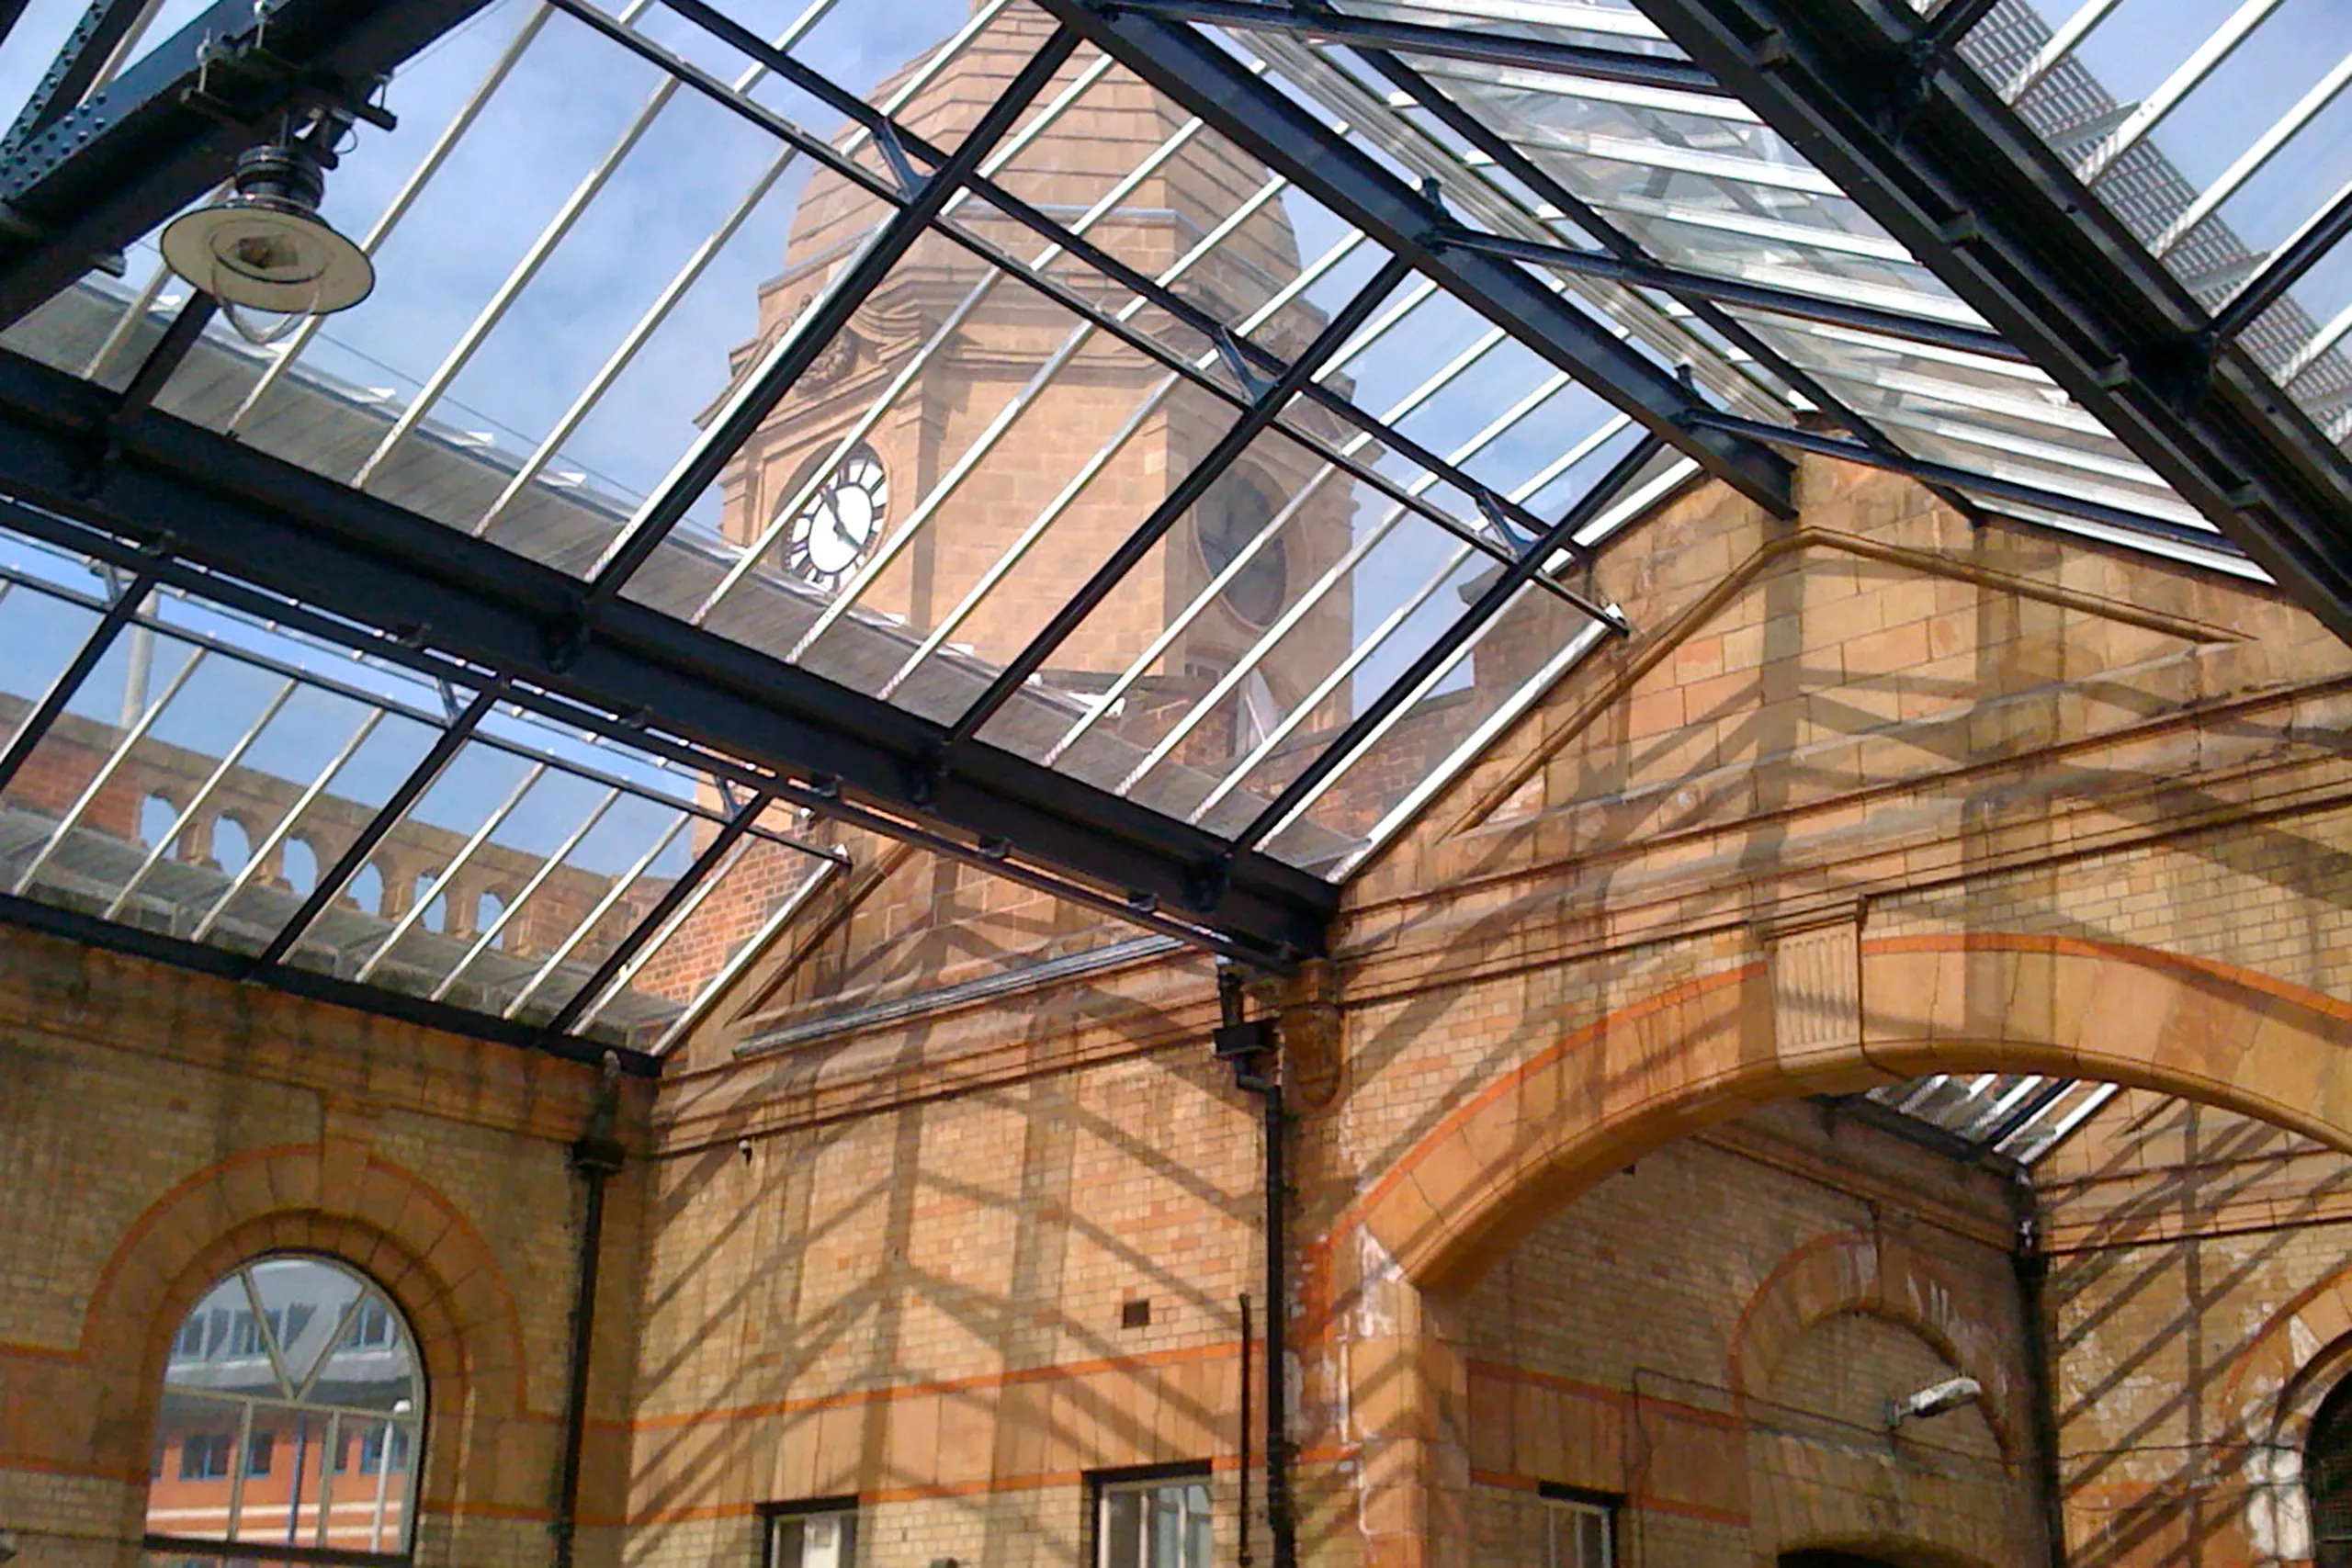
pixel 192 771
pixel 2017 1116
pixel 930 351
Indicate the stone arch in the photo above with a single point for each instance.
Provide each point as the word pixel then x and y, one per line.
pixel 334 1201
pixel 1706 1051
pixel 2298 1357
pixel 158 811
pixel 1877 1274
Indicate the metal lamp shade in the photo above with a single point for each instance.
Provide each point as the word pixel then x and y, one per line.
pixel 269 255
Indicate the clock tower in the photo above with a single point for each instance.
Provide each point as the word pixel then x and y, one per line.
pixel 969 451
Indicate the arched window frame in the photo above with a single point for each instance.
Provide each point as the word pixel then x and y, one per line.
pixel 289 1496
pixel 2327 1478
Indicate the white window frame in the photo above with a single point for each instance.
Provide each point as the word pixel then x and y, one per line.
pixel 1108 1489
pixel 841 1551
pixel 1563 1512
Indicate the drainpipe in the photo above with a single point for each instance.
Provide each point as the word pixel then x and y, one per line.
pixel 1241 1523
pixel 596 1157
pixel 1250 1046
pixel 2031 1266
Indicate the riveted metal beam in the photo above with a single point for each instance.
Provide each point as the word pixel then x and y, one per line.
pixel 219 504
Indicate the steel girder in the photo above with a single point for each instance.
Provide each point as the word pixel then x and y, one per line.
pixel 197 496
pixel 1317 21
pixel 1874 96
pixel 1207 80
pixel 100 174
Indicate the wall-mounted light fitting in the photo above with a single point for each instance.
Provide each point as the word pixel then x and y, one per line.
pixel 1933 1400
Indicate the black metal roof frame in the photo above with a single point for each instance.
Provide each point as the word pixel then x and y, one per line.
pixel 1878 98
pixel 1874 95
pixel 86 181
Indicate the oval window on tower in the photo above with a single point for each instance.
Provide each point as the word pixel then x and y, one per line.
pixel 1228 521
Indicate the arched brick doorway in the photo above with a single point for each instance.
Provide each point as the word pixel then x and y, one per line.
pixel 1706 1052
pixel 1402 1256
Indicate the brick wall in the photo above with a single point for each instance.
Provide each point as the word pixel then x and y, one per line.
pixel 161 1127
pixel 1866 797
pixel 1710 1337
pixel 2195 1285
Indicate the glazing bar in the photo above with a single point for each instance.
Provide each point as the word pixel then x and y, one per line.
pixel 626 351
pixel 1954 19
pixel 676 902
pixel 551 236
pixel 45 713
pixel 2153 108
pixel 757 398
pixel 519 277
pixel 1321 25
pixel 1434 661
pixel 1929 472
pixel 1010 556
pixel 1028 216
pixel 2001 1105
pixel 267 848
pixel 443 750
pixel 1474 744
pixel 940 339
pixel 443 144
pixel 2250 161
pixel 1224 577
pixel 488 937
pixel 2303 251
pixel 604 905
pixel 1237 438
pixel 187 815
pixel 687 276
pixel 1600 623
pixel 1339 572
pixel 1068 299
pixel 2081 1111
pixel 104 776
pixel 744 956
pixel 2325 338
pixel 1734 291
pixel 2062 43
pixel 422 902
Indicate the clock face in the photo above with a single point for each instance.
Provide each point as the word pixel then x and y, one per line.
pixel 840 524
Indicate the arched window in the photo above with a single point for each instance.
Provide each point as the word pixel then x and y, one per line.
pixel 156 815
pixel 293 1414
pixel 2327 1479
pixel 487 908
pixel 231 845
pixel 366 889
pixel 299 864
